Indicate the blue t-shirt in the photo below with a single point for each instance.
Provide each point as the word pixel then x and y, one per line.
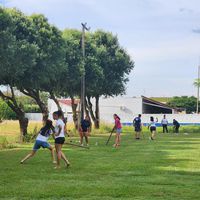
pixel 85 124
pixel 137 122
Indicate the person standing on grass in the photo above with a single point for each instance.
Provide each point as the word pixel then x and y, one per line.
pixel 84 130
pixel 41 141
pixel 164 123
pixel 59 133
pixel 152 126
pixel 176 126
pixel 118 129
pixel 138 126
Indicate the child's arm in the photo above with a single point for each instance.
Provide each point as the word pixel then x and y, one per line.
pixel 59 130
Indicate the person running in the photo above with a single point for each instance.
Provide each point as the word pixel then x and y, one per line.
pixel 118 128
pixel 85 128
pixel 59 133
pixel 176 126
pixel 138 126
pixel 164 123
pixel 41 141
pixel 152 126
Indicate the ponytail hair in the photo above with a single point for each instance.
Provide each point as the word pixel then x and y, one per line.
pixel 117 116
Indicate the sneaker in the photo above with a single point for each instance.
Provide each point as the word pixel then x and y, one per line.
pixel 54 162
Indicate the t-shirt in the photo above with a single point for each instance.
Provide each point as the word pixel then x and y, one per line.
pixel 85 124
pixel 176 123
pixel 60 123
pixel 164 121
pixel 118 124
pixel 152 124
pixel 137 122
pixel 44 135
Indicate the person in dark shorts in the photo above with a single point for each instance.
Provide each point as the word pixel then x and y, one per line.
pixel 164 123
pixel 152 126
pixel 84 130
pixel 138 126
pixel 41 141
pixel 59 133
pixel 176 126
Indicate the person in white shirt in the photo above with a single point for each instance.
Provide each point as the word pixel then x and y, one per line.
pixel 59 133
pixel 152 126
pixel 41 141
pixel 164 123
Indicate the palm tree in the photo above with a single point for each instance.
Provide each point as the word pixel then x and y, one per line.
pixel 197 84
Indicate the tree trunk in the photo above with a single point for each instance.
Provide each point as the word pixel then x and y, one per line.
pixel 35 94
pixel 52 96
pixel 90 108
pixel 13 104
pixel 74 112
pixel 23 124
pixel 97 125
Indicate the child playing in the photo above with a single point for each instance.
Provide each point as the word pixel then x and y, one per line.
pixel 41 141
pixel 59 138
pixel 152 126
pixel 118 128
pixel 84 132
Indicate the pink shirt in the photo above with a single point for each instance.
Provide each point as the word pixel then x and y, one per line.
pixel 118 123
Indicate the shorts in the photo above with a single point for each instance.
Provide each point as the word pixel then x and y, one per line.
pixel 153 128
pixel 60 140
pixel 137 129
pixel 39 144
pixel 118 130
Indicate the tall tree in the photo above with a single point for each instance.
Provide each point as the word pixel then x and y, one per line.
pixel 16 56
pixel 116 65
pixel 44 75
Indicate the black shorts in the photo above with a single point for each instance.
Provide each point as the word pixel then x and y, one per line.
pixel 60 140
pixel 153 128
pixel 137 129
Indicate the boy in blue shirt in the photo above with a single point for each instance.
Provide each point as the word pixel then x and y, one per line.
pixel 137 123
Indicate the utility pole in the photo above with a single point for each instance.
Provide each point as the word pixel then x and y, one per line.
pixel 198 82
pixel 84 28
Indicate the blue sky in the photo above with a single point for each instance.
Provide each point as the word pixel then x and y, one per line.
pixel 162 36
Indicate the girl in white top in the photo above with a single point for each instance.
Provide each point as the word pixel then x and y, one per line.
pixel 59 133
pixel 152 126
pixel 41 141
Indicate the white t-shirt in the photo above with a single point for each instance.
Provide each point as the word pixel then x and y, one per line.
pixel 60 123
pixel 152 124
pixel 44 138
pixel 164 121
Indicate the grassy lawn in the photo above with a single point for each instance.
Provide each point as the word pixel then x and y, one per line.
pixel 168 169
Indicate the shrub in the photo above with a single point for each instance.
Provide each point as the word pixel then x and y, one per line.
pixel 6 112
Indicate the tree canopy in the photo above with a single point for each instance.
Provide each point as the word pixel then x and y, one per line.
pixel 37 57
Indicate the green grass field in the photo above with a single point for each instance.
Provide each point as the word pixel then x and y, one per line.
pixel 167 169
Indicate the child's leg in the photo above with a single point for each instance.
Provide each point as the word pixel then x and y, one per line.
pixel 65 159
pixel 28 156
pixel 153 134
pixel 81 138
pixel 59 154
pixel 52 154
pixel 119 139
pixel 86 138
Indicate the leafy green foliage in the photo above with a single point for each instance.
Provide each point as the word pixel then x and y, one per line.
pixel 6 112
pixel 185 102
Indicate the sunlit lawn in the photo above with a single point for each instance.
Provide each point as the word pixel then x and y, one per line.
pixel 168 169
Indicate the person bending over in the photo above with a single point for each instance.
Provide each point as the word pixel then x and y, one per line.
pixel 41 141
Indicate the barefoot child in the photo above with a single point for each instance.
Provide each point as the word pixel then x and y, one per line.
pixel 59 138
pixel 118 128
pixel 84 132
pixel 41 141
pixel 152 126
